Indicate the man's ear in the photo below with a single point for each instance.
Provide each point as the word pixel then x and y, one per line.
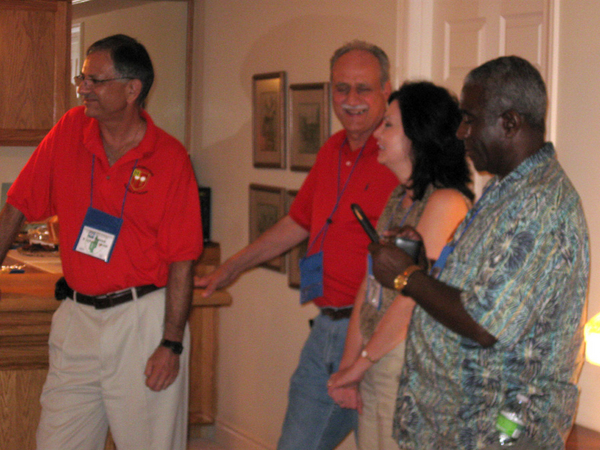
pixel 387 89
pixel 134 88
pixel 511 122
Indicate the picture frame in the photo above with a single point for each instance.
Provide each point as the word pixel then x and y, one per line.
pixel 267 206
pixel 295 254
pixel 310 123
pixel 268 119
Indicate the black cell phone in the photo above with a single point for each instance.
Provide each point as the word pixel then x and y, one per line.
pixel 360 215
pixel 408 245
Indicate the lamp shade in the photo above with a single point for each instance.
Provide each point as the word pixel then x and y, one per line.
pixel 592 340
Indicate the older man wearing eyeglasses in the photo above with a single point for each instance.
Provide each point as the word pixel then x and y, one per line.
pixel 127 202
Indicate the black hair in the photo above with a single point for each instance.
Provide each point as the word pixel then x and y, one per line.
pixel 130 59
pixel 431 117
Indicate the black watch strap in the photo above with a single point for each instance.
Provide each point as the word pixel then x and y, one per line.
pixel 176 347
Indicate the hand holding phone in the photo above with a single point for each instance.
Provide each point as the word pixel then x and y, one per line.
pixel 410 246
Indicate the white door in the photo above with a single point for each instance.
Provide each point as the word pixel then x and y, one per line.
pixel 458 35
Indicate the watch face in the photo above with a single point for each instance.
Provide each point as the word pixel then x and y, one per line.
pixel 176 347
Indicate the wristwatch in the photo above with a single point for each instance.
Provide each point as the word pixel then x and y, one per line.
pixel 175 347
pixel 401 280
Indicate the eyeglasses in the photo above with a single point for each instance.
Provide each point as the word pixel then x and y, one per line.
pixel 93 82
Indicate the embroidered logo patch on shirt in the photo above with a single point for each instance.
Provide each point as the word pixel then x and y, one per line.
pixel 140 179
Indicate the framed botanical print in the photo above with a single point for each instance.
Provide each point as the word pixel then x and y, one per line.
pixel 268 119
pixel 310 123
pixel 267 206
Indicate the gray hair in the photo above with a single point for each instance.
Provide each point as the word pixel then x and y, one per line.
pixel 384 62
pixel 510 82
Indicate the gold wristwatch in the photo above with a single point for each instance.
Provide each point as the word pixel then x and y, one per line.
pixel 401 280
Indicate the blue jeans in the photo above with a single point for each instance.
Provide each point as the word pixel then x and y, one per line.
pixel 313 420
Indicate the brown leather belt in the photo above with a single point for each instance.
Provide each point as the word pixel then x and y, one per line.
pixel 106 300
pixel 337 314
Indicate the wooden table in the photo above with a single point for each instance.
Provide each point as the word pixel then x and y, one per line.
pixel 26 307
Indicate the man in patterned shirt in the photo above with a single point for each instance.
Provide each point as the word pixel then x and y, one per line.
pixel 502 312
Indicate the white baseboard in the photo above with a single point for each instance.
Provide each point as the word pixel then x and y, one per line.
pixel 231 438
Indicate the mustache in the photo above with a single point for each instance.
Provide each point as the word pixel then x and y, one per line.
pixel 354 108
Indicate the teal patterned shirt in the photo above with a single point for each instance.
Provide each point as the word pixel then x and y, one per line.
pixel 522 266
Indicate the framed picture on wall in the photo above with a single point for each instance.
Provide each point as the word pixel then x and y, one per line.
pixel 310 123
pixel 267 206
pixel 268 119
pixel 296 253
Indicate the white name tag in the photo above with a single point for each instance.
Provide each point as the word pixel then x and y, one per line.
pixel 98 234
pixel 95 243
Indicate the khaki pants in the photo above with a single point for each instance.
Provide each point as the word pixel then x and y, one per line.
pixel 96 380
pixel 378 390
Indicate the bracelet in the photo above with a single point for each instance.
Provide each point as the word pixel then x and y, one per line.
pixel 365 355
pixel 401 280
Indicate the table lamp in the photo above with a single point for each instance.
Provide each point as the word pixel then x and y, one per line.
pixel 592 340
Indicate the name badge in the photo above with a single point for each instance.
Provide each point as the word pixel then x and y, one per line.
pixel 373 293
pixel 98 234
pixel 311 277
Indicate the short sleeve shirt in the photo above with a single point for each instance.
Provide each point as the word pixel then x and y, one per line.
pixel 522 266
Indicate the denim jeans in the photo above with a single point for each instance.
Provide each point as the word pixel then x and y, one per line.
pixel 313 420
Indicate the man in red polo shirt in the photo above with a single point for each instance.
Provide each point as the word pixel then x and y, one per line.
pixel 346 171
pixel 127 202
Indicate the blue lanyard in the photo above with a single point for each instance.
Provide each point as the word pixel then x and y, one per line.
pixel 396 208
pixel 325 226
pixel 440 263
pixel 126 189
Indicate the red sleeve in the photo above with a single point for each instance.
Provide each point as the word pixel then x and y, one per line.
pixel 31 191
pixel 301 209
pixel 180 234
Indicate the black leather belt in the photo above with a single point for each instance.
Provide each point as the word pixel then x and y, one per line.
pixel 337 314
pixel 63 290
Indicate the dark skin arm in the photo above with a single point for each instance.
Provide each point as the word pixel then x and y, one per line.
pixel 163 366
pixel 440 301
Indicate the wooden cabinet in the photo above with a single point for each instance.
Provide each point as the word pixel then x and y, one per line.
pixel 35 37
pixel 26 307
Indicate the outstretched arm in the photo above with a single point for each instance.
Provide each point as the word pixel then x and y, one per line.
pixel 280 237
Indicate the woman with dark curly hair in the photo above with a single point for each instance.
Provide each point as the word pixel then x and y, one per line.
pixel 417 142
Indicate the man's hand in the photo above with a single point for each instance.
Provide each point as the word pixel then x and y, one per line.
pixel 162 369
pixel 223 276
pixel 389 261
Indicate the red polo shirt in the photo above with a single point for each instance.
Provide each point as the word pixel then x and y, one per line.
pixel 161 214
pixel 345 243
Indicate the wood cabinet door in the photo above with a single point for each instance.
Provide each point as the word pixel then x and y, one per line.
pixel 34 68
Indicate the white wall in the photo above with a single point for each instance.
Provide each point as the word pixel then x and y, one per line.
pixel 161 27
pixel 262 333
pixel 578 144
